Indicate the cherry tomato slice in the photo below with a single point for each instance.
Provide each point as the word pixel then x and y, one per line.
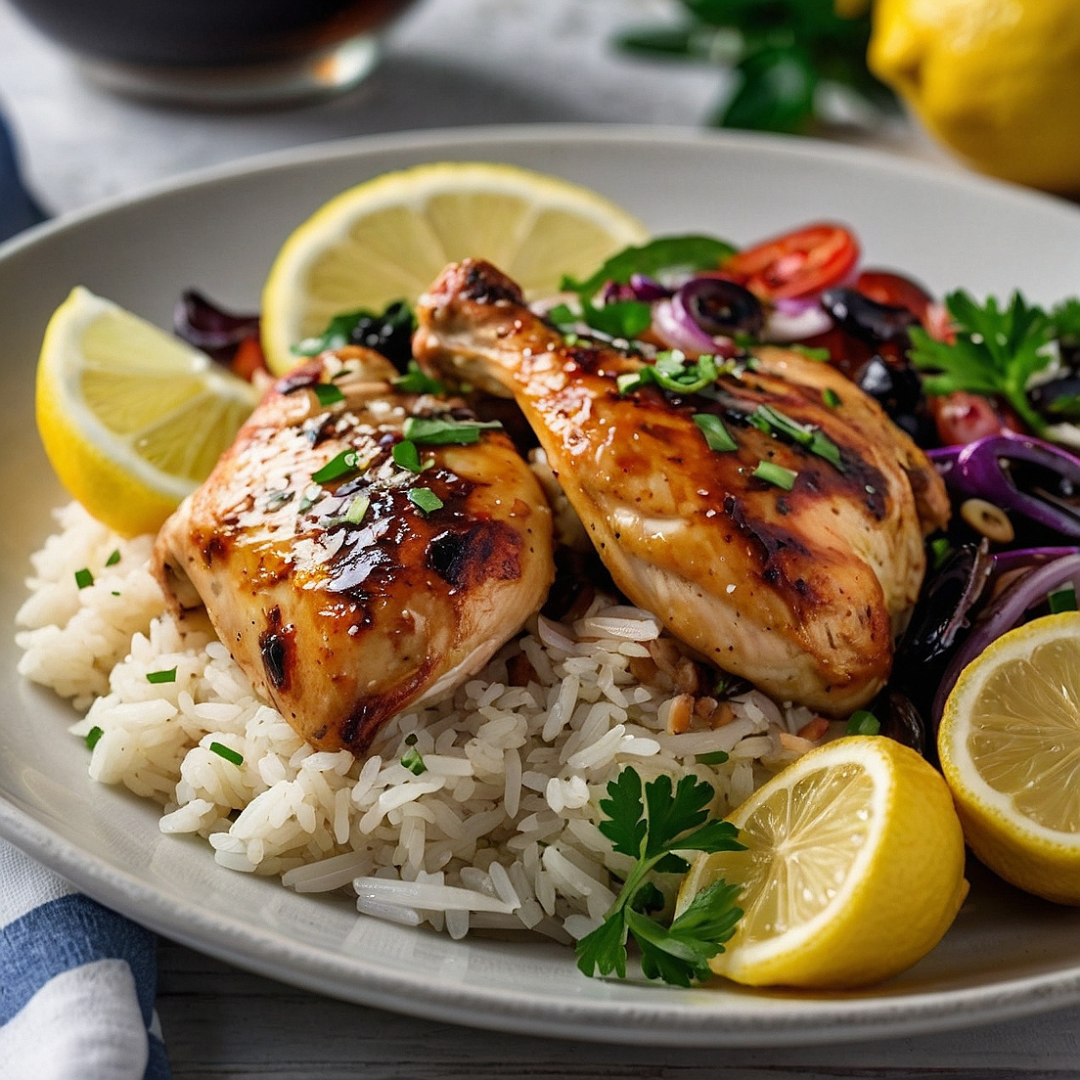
pixel 796 264
pixel 961 417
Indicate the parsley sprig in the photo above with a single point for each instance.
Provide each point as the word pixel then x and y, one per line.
pixel 997 350
pixel 650 826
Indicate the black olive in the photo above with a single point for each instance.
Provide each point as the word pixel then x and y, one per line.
pixel 899 719
pixel 389 333
pixel 866 319
pixel 721 308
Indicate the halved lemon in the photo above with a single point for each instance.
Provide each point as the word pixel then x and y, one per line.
pixel 132 419
pixel 854 869
pixel 389 238
pixel 1009 744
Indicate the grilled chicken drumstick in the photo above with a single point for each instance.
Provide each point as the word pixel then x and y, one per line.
pixel 349 574
pixel 799 591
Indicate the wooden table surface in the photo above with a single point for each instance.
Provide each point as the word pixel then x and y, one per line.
pixel 451 63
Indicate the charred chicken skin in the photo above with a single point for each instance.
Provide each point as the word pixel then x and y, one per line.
pixel 351 575
pixel 800 591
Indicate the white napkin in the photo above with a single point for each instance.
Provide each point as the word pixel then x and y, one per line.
pixel 77 983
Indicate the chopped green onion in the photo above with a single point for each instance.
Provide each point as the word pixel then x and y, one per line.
pixel 357 509
pixel 226 753
pixel 113 559
pixel 561 315
pixel 716 435
pixel 629 381
pixel 862 722
pixel 773 422
pixel 715 757
pixel 775 474
pixel 345 464
pixel 92 737
pixel 831 397
pixel 940 550
pixel 277 499
pixel 161 676
pixel 328 394
pixel 83 578
pixel 444 431
pixel 1063 599
pixel 311 496
pixel 412 761
pixel 115 592
pixel 414 381
pixel 426 499
pixel 407 456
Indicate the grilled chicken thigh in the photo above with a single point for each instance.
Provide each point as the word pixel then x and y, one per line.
pixel 345 584
pixel 801 591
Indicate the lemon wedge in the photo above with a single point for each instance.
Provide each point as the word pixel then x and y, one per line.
pixel 132 419
pixel 388 239
pixel 1009 744
pixel 853 869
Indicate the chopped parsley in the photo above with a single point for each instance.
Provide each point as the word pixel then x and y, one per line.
pixel 415 381
pixel 940 550
pixel 226 753
pixel 93 736
pixel 716 435
pixel 161 676
pixel 996 351
pixel 445 431
pixel 388 332
pixel 672 371
pixel 113 559
pixel 83 578
pixel 775 474
pixel 863 722
pixel 831 397
pixel 328 394
pixel 650 827
pixel 425 499
pixel 810 353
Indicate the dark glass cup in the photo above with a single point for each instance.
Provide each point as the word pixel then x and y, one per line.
pixel 218 52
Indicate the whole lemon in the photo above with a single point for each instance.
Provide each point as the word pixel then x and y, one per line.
pixel 997 81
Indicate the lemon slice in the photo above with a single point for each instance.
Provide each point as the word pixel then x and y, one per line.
pixel 389 238
pixel 1010 749
pixel 854 869
pixel 132 419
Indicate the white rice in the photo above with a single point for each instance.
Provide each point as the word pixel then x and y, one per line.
pixel 498 832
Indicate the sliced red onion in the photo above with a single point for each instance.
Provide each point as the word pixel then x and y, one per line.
pixel 782 327
pixel 1007 561
pixel 205 325
pixel 975 471
pixel 679 332
pixel 1002 614
pixel 647 288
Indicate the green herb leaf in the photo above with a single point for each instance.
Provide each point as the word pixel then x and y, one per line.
pixel 445 431
pixel 776 92
pixel 412 761
pixel 831 397
pixel 651 826
pixel 714 757
pixel 328 394
pixel 225 752
pixel 775 474
pixel 716 435
pixel 113 559
pixel 1063 599
pixel 83 578
pixel 415 381
pixel 406 455
pixel 862 722
pixel 93 736
pixel 425 499
pixel 774 422
pixel 161 676
pixel 665 253
pixel 621 319
pixel 373 330
pixel 940 550
pixel 996 352
pixel 820 355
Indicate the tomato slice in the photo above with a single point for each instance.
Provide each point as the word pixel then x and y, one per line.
pixel 797 264
pixel 961 417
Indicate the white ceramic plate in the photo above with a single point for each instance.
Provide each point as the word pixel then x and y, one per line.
pixel 1007 954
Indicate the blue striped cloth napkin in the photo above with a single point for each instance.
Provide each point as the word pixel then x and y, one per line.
pixel 77 981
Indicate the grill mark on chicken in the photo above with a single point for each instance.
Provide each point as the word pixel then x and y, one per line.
pixel 803 593
pixel 343 623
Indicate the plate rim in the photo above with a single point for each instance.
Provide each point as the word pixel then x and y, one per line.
pixel 667 1021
